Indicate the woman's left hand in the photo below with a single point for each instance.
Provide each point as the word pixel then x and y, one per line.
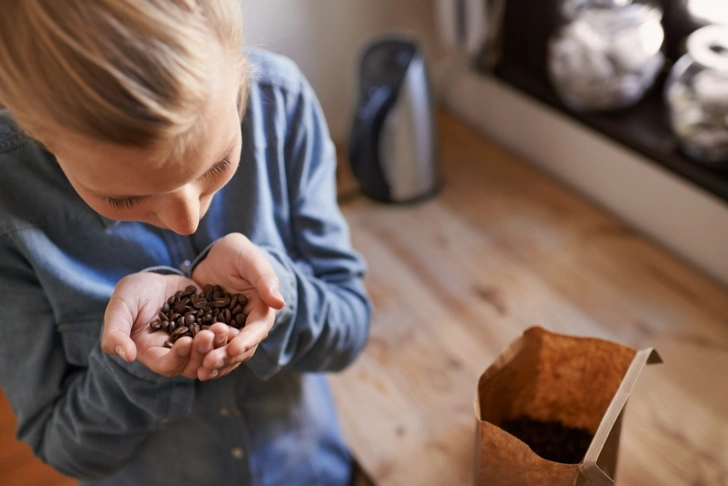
pixel 239 267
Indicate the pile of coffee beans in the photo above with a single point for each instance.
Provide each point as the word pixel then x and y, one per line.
pixel 551 440
pixel 188 312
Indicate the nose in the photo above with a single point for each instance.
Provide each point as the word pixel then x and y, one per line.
pixel 180 210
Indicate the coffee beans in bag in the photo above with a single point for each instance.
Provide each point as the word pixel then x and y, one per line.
pixel 549 410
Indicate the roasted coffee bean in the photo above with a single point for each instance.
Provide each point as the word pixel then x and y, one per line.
pixel 170 301
pixel 178 333
pixel 240 320
pixel 172 327
pixel 227 315
pixel 165 308
pixel 168 344
pixel 237 309
pixel 191 289
pixel 156 324
pixel 221 302
pixel 189 318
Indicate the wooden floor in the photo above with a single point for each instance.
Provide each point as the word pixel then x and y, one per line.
pixel 504 248
pixel 18 466
pixel 456 279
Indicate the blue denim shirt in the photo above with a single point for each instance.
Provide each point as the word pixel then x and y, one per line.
pixel 93 416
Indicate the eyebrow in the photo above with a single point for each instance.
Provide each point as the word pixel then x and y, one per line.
pixel 225 159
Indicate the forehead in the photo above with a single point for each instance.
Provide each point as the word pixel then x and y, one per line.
pixel 112 170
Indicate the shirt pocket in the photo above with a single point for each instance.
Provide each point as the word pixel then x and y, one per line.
pixel 79 337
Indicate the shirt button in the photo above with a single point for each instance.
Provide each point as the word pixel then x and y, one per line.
pixel 224 412
pixel 237 453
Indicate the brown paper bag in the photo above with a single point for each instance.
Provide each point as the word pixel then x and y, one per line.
pixel 582 383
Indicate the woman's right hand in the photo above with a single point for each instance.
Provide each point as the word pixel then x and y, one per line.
pixel 135 302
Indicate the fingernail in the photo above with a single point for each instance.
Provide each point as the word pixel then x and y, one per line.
pixel 213 374
pixel 120 351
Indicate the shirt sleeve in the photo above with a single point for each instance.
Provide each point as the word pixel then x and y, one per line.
pixel 325 323
pixel 85 421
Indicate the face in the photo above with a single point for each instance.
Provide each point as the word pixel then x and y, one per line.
pixel 133 184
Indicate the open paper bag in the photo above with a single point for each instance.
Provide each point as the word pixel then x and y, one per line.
pixel 543 377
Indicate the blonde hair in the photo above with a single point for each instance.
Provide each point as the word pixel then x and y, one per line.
pixel 129 72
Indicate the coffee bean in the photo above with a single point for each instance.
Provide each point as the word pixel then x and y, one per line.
pixel 188 311
pixel 178 333
pixel 221 302
pixel 168 344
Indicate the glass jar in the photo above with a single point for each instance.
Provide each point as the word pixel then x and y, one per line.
pixel 705 12
pixel 606 54
pixel 696 93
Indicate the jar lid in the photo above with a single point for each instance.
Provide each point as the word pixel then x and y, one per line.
pixel 709 47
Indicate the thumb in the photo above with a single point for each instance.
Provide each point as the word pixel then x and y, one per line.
pixel 268 289
pixel 118 322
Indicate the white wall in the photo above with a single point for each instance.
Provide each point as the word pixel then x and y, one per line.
pixel 325 38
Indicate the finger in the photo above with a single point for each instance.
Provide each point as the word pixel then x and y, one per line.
pixel 215 359
pixel 119 319
pixel 268 289
pixel 220 331
pixel 168 362
pixel 201 345
pixel 224 364
pixel 255 268
pixel 256 329
pixel 204 374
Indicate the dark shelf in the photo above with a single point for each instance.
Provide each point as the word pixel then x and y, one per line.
pixel 642 128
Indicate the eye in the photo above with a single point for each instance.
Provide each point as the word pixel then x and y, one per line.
pixel 125 203
pixel 219 169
